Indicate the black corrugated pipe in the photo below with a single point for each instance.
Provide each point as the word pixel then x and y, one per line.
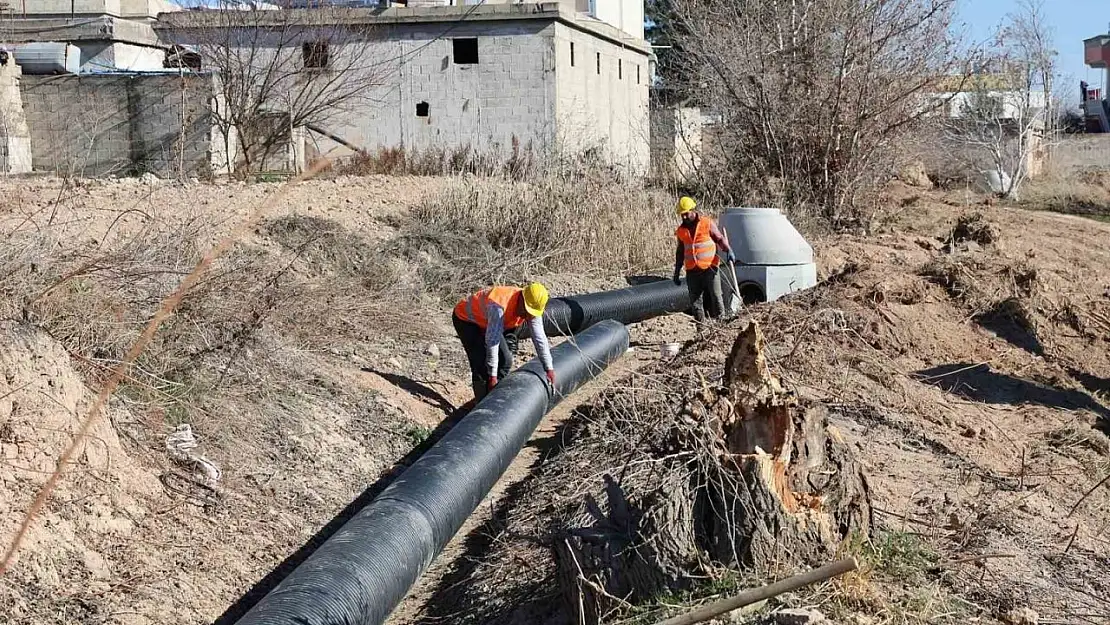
pixel 569 315
pixel 360 574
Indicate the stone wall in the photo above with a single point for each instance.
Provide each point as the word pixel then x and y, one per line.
pixel 122 124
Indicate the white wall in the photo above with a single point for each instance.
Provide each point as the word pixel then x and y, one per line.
pixel 509 94
pixel 1013 103
pixel 626 15
pixel 608 110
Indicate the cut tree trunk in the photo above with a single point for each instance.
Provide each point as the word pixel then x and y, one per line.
pixel 775 487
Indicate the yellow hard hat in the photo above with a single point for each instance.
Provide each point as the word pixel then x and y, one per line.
pixel 685 205
pixel 535 299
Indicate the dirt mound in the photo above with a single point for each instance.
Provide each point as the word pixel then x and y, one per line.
pixel 975 227
pixel 980 455
pixel 75 546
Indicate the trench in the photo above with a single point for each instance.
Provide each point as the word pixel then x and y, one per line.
pixel 362 571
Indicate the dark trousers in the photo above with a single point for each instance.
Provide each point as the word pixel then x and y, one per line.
pixel 473 339
pixel 705 293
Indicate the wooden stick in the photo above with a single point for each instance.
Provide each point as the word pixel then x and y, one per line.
pixel 753 595
pixel 732 268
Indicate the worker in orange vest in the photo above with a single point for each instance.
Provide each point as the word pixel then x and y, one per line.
pixel 488 324
pixel 698 243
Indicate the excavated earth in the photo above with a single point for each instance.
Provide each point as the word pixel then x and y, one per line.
pixel 964 358
pixel 962 353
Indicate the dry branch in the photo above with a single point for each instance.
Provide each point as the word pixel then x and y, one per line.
pixel 749 597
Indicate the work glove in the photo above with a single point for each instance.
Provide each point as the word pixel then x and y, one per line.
pixel 551 376
pixel 730 257
pixel 492 382
pixel 676 279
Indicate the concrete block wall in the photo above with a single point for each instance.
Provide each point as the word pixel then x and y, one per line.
pixel 15 138
pixel 508 94
pixel 121 124
pixel 602 98
pixel 522 90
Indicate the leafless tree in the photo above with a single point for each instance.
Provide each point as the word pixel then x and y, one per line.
pixel 280 71
pixel 814 95
pixel 1007 118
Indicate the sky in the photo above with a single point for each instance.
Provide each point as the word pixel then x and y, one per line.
pixel 1072 21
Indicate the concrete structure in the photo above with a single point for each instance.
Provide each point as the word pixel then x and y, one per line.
pixel 15 137
pixel 113 35
pixel 486 77
pixel 124 124
pixel 992 94
pixel 625 15
pixel 1095 104
pixel 773 258
pixel 681 140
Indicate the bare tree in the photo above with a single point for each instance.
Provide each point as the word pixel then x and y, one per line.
pixel 1006 117
pixel 280 71
pixel 814 95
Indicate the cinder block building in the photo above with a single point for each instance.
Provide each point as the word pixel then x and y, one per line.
pixel 112 35
pixel 552 77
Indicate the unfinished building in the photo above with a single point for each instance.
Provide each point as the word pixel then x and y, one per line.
pixel 489 77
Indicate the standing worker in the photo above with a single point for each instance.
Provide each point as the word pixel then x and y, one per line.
pixel 698 240
pixel 488 324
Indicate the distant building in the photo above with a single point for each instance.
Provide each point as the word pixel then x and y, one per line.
pixel 1096 106
pixel 551 78
pixel 487 77
pixel 112 35
pixel 986 95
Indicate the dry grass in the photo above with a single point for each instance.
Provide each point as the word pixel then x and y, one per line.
pixel 479 233
pixel 243 339
pixel 518 164
pixel 1083 193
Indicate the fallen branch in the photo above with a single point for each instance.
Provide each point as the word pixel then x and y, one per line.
pixel 1088 494
pixel 748 597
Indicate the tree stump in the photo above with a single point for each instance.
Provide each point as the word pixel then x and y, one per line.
pixel 774 487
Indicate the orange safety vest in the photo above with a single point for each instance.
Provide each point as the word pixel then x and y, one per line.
pixel 473 308
pixel 701 251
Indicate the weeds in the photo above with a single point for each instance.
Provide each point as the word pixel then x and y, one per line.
pixel 900 556
pixel 417 434
pixel 480 234
pixel 519 164
pixel 1086 193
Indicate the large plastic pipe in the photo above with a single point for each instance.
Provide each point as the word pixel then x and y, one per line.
pixel 360 574
pixel 569 315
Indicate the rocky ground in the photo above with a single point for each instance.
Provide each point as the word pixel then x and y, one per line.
pixel 968 372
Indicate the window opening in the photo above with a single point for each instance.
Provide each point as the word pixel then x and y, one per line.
pixel 315 54
pixel 465 51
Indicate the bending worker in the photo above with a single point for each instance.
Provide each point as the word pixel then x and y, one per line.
pixel 488 324
pixel 698 240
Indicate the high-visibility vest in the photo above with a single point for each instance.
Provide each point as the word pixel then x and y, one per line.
pixel 473 308
pixel 700 250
